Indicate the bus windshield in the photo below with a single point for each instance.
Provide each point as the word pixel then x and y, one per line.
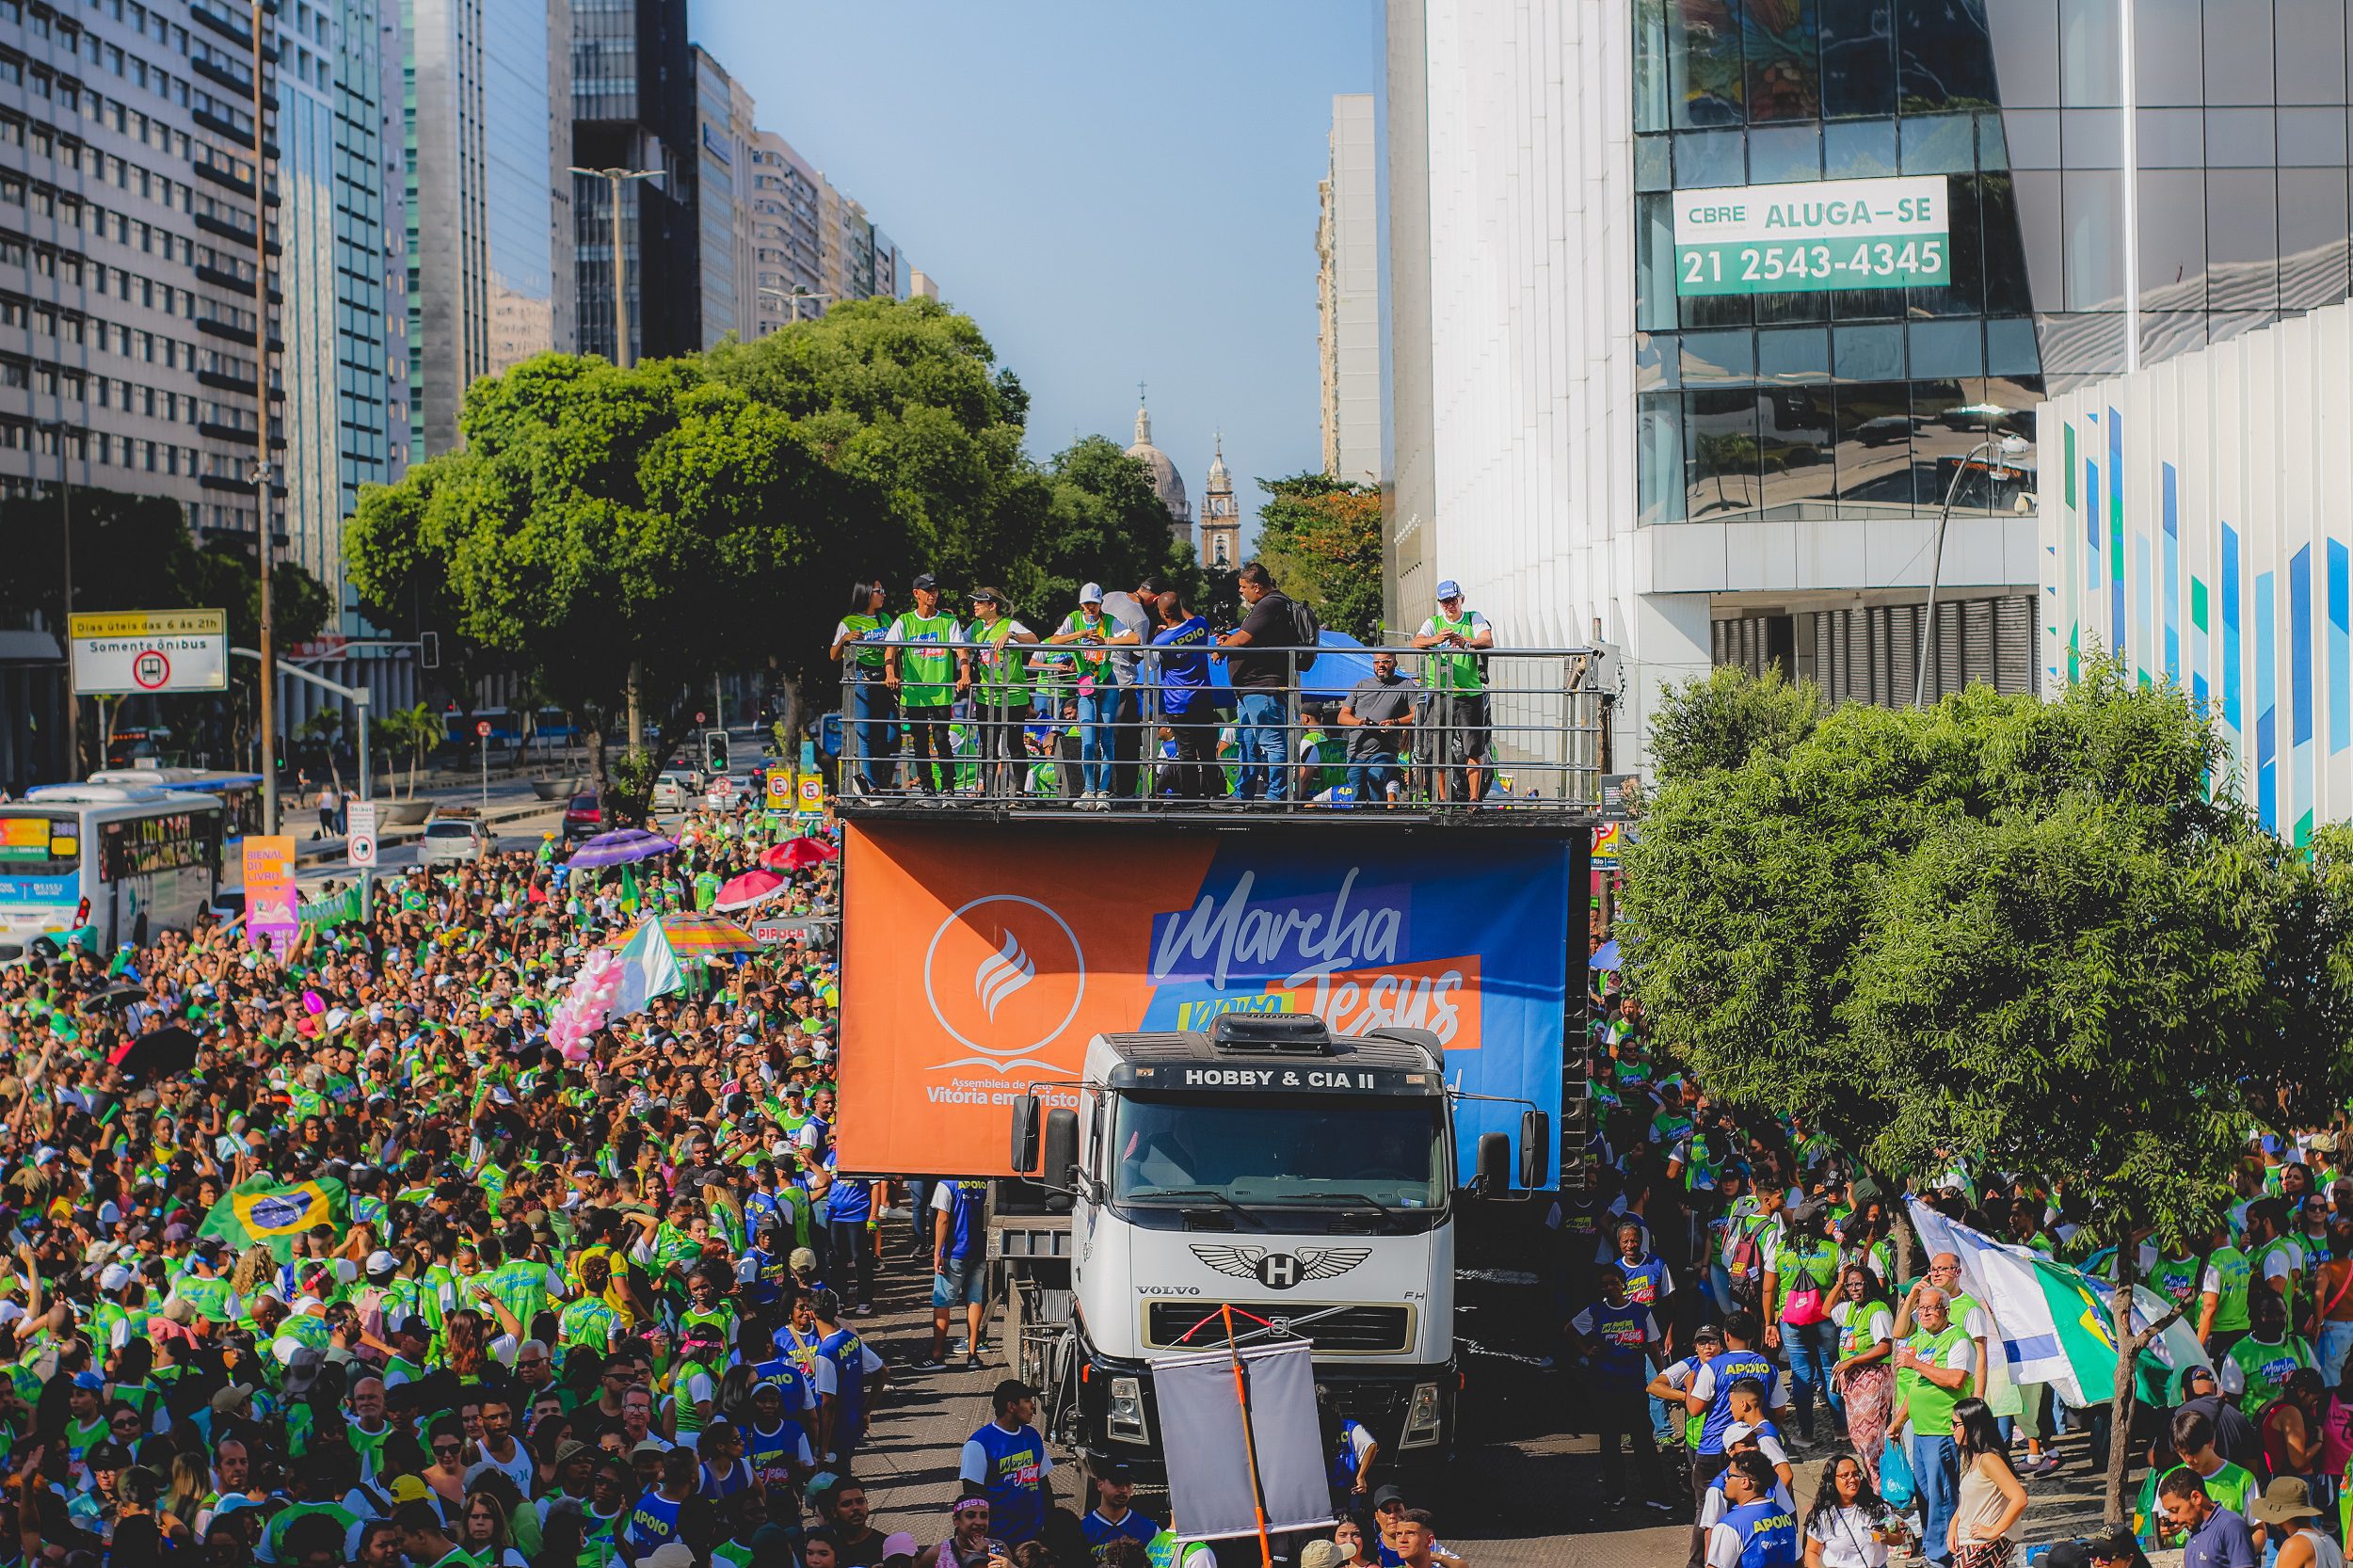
pixel 1339 1152
pixel 38 844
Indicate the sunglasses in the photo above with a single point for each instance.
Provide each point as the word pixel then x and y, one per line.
pixel 447 1448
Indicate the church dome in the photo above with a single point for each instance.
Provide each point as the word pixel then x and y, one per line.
pixel 1166 482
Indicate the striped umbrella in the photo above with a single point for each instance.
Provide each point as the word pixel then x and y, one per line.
pixel 691 936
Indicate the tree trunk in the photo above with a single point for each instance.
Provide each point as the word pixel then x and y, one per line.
pixel 596 757
pixel 791 713
pixel 2120 1405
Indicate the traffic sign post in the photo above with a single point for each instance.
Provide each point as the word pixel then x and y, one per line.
pixel 482 733
pixel 359 836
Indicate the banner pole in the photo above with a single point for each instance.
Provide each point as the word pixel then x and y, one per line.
pixel 1249 1437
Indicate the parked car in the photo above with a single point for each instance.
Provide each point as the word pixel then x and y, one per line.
pixel 675 789
pixel 454 840
pixel 583 818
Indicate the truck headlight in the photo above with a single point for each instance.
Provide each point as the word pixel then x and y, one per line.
pixel 1124 1420
pixel 1422 1417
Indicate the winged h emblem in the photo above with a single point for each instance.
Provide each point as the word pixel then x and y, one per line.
pixel 1280 1270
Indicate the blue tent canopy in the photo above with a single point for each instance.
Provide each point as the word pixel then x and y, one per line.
pixel 1334 675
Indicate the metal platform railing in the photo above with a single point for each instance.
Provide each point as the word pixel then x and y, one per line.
pixel 1098 728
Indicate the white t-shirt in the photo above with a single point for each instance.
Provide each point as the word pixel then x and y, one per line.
pixel 1846 1537
pixel 1724 1547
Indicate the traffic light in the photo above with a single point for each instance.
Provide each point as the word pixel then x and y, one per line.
pixel 714 751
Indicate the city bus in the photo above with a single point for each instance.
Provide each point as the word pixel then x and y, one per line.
pixel 240 793
pixel 107 863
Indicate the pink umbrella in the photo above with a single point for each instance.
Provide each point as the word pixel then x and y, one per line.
pixel 750 888
pixel 795 855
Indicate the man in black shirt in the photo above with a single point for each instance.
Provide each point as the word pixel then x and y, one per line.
pixel 1259 682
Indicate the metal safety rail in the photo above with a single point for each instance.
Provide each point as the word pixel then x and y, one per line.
pixel 1502 734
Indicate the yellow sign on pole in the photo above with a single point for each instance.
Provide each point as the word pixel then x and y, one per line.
pixel 812 792
pixel 779 789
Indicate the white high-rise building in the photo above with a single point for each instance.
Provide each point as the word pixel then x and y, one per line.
pixel 1347 294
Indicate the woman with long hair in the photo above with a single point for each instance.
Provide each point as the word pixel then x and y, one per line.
pixel 1866 1340
pixel 871 765
pixel 1992 1501
pixel 1849 1525
pixel 483 1535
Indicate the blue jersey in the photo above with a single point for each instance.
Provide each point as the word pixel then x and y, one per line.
pixel 1185 669
pixel 847 1352
pixel 1645 1281
pixel 848 1202
pixel 1622 1337
pixel 1726 1370
pixel 967 1200
pixel 1769 1534
pixel 1101 1532
pixel 653 1521
pixel 790 1381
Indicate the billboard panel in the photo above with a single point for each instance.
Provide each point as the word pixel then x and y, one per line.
pixel 975 963
pixel 1817 234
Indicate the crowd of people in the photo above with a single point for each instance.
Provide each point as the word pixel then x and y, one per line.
pixel 1119 702
pixel 568 1314
pixel 1754 1313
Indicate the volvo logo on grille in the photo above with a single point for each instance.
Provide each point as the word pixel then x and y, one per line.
pixel 1280 1270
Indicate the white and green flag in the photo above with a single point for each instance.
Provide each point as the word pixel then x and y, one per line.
pixel 2053 1321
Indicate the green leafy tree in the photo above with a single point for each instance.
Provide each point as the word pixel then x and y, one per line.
pixel 1721 719
pixel 1321 537
pixel 413 733
pixel 2022 930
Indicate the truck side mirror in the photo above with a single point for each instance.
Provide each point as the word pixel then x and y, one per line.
pixel 1494 1173
pixel 1025 1134
pixel 1535 1139
pixel 1060 1175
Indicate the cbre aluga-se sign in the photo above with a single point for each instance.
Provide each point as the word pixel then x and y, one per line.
pixel 1819 235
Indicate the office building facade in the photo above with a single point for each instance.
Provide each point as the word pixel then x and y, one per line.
pixel 1347 294
pixel 724 132
pixel 1627 403
pixel 634 107
pixel 487 133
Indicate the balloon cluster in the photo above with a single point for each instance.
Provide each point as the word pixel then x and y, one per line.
pixel 587 1006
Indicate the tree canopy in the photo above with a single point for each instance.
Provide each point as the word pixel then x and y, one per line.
pixel 707 515
pixel 2039 935
pixel 1321 537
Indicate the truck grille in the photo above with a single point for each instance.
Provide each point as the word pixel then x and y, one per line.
pixel 1347 1330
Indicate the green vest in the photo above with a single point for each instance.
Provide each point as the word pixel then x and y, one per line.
pixel 2229 1312
pixel 1003 681
pixel 1455 670
pixel 927 676
pixel 1097 664
pixel 1931 1407
pixel 863 657
pixel 2175 1279
pixel 2255 1268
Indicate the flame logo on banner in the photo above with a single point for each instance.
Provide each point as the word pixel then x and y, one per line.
pixel 1001 974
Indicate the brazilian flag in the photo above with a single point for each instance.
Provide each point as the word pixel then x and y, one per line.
pixel 274 1213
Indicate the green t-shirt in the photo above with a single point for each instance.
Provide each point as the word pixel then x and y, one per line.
pixel 1003 677
pixel 2262 1370
pixel 857 653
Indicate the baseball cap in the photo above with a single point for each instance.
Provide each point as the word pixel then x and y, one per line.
pixel 926 581
pixel 986 596
pixel 1709 1333
pixel 901 1544
pixel 88 1380
pixel 382 1262
pixel 408 1488
pixel 1738 1431
pixel 1091 594
pixel 1450 589
pixel 1387 1495
pixel 802 1258
pixel 112 1278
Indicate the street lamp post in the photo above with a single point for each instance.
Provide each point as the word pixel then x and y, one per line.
pixel 64 431
pixel 265 542
pixel 1988 413
pixel 796 294
pixel 613 178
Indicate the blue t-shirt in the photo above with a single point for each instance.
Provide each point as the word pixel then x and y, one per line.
pixel 1101 1532
pixel 848 1202
pixel 1183 673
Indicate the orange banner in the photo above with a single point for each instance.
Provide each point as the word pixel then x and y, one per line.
pixel 975 964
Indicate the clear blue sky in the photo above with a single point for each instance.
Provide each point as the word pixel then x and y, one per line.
pixel 1115 190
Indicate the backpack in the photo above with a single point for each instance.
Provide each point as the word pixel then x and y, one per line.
pixel 1306 631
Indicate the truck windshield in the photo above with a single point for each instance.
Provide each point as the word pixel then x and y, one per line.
pixel 1336 1152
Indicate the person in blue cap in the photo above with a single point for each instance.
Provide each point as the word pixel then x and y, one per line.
pixel 1456 673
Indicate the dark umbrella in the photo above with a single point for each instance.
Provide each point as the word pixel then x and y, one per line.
pixel 118 996
pixel 619 849
pixel 170 1050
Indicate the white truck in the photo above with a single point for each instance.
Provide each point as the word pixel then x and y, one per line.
pixel 1304 1178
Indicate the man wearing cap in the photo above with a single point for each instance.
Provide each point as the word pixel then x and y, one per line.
pixel 1091 631
pixel 1456 674
pixel 1001 691
pixel 1112 1519
pixel 926 679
